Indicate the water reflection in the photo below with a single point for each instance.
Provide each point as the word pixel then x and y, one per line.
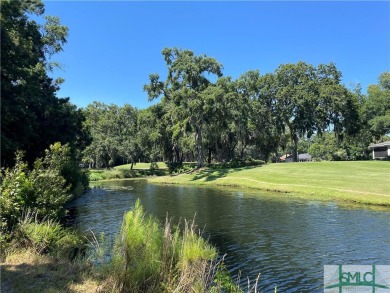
pixel 287 240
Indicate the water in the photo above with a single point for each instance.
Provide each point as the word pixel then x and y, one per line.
pixel 287 240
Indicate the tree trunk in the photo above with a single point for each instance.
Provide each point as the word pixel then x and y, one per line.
pixel 199 146
pixel 294 140
pixel 243 147
pixel 209 157
pixel 176 152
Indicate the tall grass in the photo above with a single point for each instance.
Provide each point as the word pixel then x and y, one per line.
pixel 48 237
pixel 150 258
pixel 146 257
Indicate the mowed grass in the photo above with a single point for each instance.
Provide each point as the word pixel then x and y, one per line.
pixel 365 182
pixel 143 166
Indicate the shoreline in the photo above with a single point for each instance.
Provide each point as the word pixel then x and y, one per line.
pixel 329 183
pixel 280 193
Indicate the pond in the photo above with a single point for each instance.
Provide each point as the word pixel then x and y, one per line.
pixel 287 241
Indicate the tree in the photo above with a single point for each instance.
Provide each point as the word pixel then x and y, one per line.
pixel 183 91
pixel 114 134
pixel 128 140
pixel 154 135
pixel 327 147
pixel 262 125
pixel 309 100
pixel 32 117
pixel 376 107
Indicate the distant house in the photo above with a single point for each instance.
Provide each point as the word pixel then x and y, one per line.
pixel 380 150
pixel 289 158
pixel 304 157
pixel 286 158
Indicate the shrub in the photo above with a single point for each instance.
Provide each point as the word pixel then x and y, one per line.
pixel 59 159
pixel 180 167
pixel 93 176
pixel 16 193
pixel 50 237
pixel 173 166
pixel 238 163
pixel 44 190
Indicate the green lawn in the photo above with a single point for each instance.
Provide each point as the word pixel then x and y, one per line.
pixel 143 166
pixel 359 181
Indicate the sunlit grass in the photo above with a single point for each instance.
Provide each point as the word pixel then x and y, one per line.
pixel 359 181
pixel 124 172
pixel 144 166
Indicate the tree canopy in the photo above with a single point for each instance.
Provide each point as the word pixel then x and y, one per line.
pixel 32 116
pixel 203 116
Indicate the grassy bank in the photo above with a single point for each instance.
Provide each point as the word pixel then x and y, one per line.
pixel 124 171
pixel 365 182
pixel 146 257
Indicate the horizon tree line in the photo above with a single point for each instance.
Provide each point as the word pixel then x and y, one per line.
pixel 206 117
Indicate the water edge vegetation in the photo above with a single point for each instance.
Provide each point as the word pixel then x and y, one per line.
pixel 146 257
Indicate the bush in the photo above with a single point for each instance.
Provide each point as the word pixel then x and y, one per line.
pixel 44 190
pixel 49 237
pixel 180 167
pixel 173 166
pixel 93 176
pixel 238 163
pixel 59 158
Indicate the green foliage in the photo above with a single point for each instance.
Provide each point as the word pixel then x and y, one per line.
pixel 223 281
pixel 326 147
pixel 137 252
pixel 309 99
pixel 44 190
pixel 32 117
pixel 16 193
pixel 95 176
pixel 185 93
pixel 48 236
pixel 151 258
pixel 236 163
pixel 376 109
pixel 60 158
pixel 225 120
pixel 113 130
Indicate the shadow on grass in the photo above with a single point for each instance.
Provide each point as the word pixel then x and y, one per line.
pixel 50 276
pixel 212 174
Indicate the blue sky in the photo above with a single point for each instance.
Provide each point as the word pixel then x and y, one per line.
pixel 113 46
